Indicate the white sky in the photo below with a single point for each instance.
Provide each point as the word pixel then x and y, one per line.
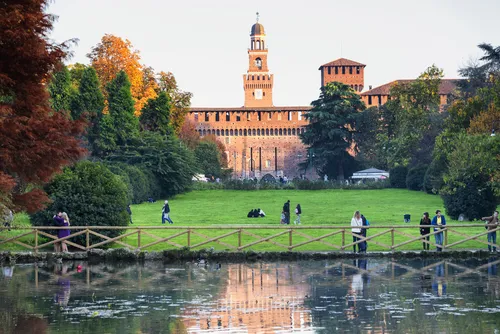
pixel 204 42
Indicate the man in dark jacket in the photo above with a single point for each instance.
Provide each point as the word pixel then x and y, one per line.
pixel 492 224
pixel 129 211
pixel 364 245
pixel 165 214
pixel 286 210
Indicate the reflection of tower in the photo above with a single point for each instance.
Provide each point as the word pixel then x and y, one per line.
pixel 258 83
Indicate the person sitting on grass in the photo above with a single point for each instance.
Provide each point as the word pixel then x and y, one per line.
pixel 255 213
pixel 250 214
pixel 261 213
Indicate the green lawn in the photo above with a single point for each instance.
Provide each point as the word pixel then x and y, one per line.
pixel 320 207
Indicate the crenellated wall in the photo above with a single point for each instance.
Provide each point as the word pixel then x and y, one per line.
pixel 258 141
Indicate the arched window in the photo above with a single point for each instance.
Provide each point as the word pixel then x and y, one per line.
pixel 262 131
pixel 298 131
pixel 201 132
pixel 254 133
pixel 289 132
pixel 204 132
pixel 218 132
pixel 281 132
pixel 272 132
pixel 213 132
pixel 258 132
pixel 240 132
pixel 227 132
pixel 245 132
pixel 356 88
pixel 231 133
pixel 222 132
pixel 302 130
pixel 293 132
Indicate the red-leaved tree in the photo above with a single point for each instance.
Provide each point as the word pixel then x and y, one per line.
pixel 35 141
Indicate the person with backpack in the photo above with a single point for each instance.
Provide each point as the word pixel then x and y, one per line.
pixel 439 222
pixel 364 245
pixel 165 214
pixel 298 212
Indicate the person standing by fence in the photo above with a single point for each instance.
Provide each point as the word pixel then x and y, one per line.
pixel 366 224
pixel 491 224
pixel 356 222
pixel 424 231
pixel 439 222
pixel 286 210
pixel 298 212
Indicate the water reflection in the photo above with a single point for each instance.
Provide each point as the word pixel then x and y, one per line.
pixel 361 295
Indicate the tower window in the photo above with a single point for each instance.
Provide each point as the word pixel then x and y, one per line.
pixel 369 100
pixel 231 133
pixel 218 132
pixel 258 132
pixel 299 115
pixel 358 70
pixel 240 132
pixel 217 117
pixel 254 132
pixel 289 115
pixel 253 77
pixel 281 132
pixel 245 132
pixel 269 116
pixel 227 132
pixel 380 99
pixel 343 69
pixel 263 77
pixel 258 77
pixel 206 117
pixel 228 116
pixel 336 70
pixel 238 117
pixel 272 132
pixel 248 116
pixel 259 118
pixel 329 70
pixel 267 132
pixel 293 132
pixel 350 69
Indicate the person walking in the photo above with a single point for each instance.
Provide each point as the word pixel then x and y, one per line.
pixel 364 231
pixel 165 214
pixel 356 222
pixel 424 231
pixel 286 210
pixel 439 222
pixel 59 221
pixel 64 233
pixel 298 212
pixel 491 224
pixel 129 211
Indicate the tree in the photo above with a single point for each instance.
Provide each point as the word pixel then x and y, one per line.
pixel 121 125
pixel 491 57
pixel 35 142
pixel 76 73
pixel 208 158
pixel 91 195
pixel 89 101
pixel 113 55
pixel 220 146
pixel 180 100
pixel 155 116
pixel 61 91
pixel 332 124
pixel 188 134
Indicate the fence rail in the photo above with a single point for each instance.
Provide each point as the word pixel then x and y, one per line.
pixel 241 237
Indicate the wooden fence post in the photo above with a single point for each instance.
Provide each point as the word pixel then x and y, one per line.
pixel 445 238
pixel 139 238
pixel 343 241
pixel 189 237
pixel 87 239
pixel 290 240
pixel 36 242
pixel 239 238
pixel 392 239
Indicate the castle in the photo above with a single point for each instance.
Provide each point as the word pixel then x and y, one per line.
pixel 261 138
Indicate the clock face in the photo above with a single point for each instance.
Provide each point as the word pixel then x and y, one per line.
pixel 258 63
pixel 258 94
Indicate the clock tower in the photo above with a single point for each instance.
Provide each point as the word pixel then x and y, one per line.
pixel 258 82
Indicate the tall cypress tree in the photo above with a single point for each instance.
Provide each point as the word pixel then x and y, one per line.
pixel 155 116
pixel 61 91
pixel 122 125
pixel 89 102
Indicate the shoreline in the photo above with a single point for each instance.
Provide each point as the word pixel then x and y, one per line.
pixel 173 256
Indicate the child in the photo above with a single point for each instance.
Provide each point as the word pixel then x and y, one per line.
pixel 283 218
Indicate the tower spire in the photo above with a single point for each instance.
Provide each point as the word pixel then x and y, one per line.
pixel 258 15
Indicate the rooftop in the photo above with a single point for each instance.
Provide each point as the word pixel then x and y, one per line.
pixel 446 87
pixel 243 109
pixel 342 62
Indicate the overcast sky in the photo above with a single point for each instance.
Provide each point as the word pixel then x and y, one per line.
pixel 204 42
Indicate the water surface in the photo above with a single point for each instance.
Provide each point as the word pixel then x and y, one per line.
pixel 349 296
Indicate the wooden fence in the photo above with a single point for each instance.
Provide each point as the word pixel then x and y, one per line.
pixel 239 238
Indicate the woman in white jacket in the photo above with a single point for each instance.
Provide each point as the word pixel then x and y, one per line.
pixel 356 223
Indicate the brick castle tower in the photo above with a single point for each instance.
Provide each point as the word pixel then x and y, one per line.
pixel 346 71
pixel 258 83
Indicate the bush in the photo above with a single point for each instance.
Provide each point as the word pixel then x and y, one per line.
pixel 115 169
pixel 139 182
pixel 398 177
pixel 473 200
pixel 207 186
pixel 311 185
pixel 433 179
pixel 241 185
pixel 91 195
pixel 415 177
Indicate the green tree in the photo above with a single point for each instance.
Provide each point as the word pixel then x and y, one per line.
pixel 76 73
pixel 91 195
pixel 61 91
pixel 121 126
pixel 155 116
pixel 331 128
pixel 208 158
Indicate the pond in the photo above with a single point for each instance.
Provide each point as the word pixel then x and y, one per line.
pixel 346 296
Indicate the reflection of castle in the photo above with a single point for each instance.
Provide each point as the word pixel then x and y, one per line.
pixel 256 299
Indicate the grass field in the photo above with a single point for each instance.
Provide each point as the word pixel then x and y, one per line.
pixel 319 207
